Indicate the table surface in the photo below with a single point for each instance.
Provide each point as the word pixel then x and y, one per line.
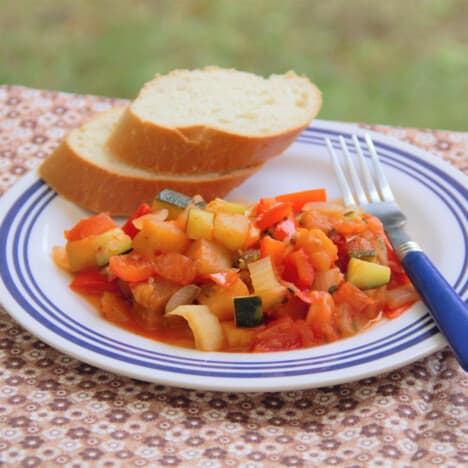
pixel 55 410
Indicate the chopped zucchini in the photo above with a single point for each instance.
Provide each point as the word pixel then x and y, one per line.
pixel 173 210
pixel 172 201
pixel 113 242
pixel 231 230
pixel 95 251
pixel 200 224
pixel 248 311
pixel 174 198
pixel 179 199
pixel 367 275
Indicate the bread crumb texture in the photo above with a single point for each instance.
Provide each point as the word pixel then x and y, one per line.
pixel 230 100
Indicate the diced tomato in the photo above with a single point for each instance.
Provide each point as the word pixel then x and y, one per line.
pixel 315 219
pixel 272 248
pixel 298 269
pixel 93 282
pixel 273 215
pixel 321 315
pixel 347 293
pixel 321 250
pixel 305 331
pixel 91 226
pixel 131 267
pixel 129 228
pixel 374 224
pixel 285 229
pixel 299 199
pixel 176 267
pixel 349 225
pixel 324 280
pixel 282 335
pixel 293 307
pixel 223 278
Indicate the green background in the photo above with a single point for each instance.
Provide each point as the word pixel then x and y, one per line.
pixel 401 62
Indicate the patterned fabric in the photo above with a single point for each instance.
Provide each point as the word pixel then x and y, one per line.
pixel 55 410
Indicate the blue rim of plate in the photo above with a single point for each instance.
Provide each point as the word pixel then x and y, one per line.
pixel 21 284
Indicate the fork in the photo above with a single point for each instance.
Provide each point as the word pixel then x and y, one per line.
pixel 447 308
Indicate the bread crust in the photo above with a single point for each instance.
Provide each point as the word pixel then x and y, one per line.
pixel 197 149
pixel 94 188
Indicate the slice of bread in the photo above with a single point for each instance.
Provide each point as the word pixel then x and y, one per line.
pixel 213 119
pixel 83 170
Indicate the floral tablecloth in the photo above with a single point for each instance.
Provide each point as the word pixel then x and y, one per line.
pixel 55 410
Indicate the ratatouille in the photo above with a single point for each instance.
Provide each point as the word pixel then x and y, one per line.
pixel 288 272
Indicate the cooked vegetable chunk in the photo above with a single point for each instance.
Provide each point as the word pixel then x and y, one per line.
pixel 367 275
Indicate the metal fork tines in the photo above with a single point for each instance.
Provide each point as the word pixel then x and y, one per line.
pixel 377 199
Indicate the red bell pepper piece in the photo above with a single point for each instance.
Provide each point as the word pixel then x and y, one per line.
pixel 92 226
pixel 272 248
pixel 273 215
pixel 298 269
pixel 299 199
pixel 129 228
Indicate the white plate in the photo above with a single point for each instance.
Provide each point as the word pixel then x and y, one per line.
pixel 36 293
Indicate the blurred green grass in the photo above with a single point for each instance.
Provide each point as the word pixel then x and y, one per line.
pixel 395 62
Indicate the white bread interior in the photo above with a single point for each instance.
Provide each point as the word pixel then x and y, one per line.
pixel 84 170
pixel 213 119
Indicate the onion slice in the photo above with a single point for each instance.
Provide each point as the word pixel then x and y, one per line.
pixel 205 326
pixel 182 296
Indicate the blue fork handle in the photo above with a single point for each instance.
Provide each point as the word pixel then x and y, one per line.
pixel 446 307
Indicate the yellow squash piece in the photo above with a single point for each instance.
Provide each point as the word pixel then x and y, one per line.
pixel 218 205
pixel 231 230
pixel 219 299
pixel 173 210
pixel 95 251
pixel 238 338
pixel 159 237
pixel 200 224
pixel 209 256
pixel 367 275
pixel 205 326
